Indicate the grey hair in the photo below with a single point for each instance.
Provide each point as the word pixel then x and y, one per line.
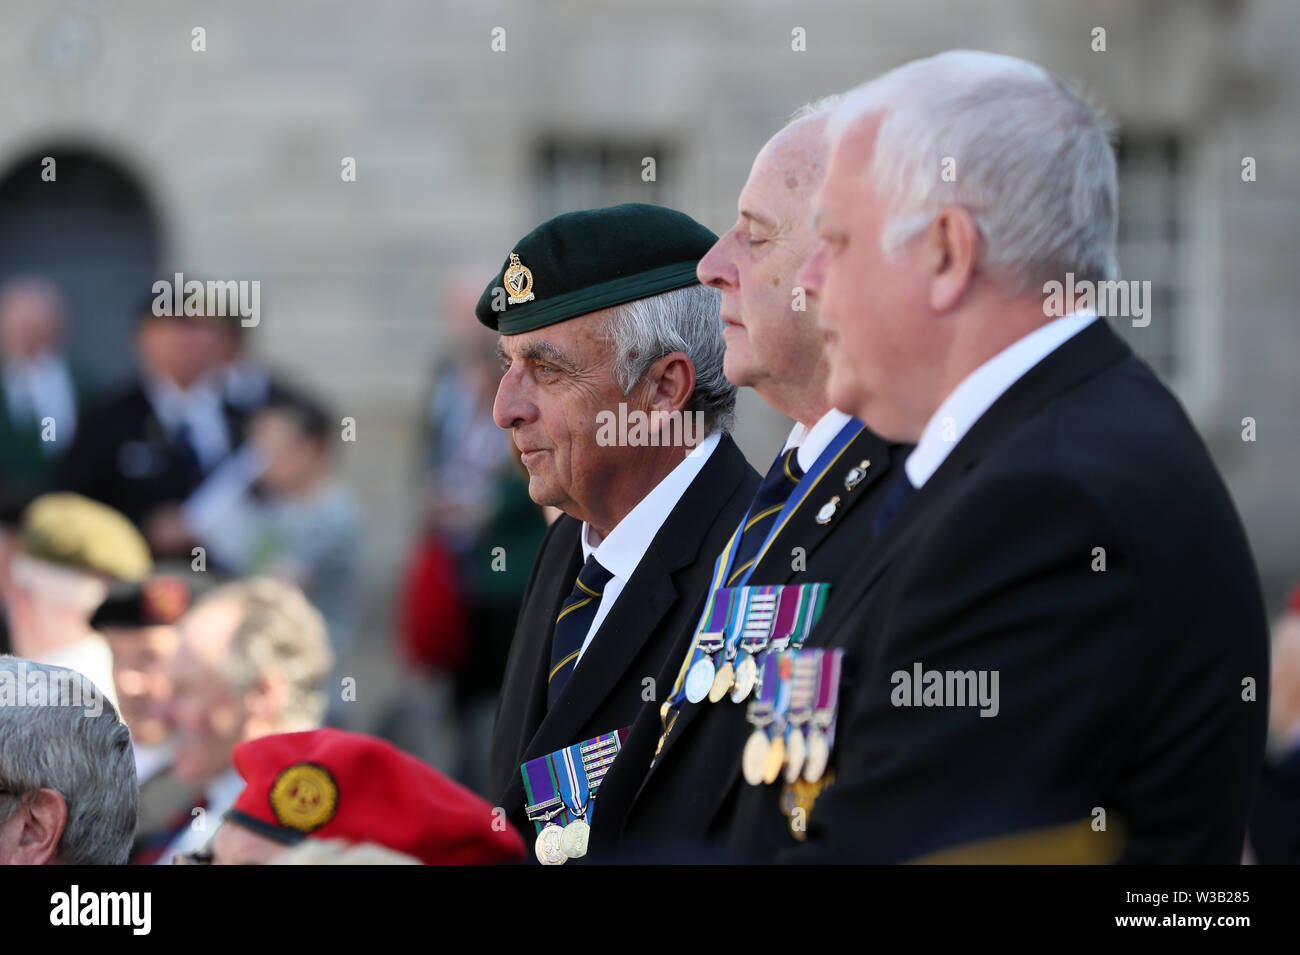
pixel 1033 162
pixel 83 753
pixel 687 320
pixel 279 630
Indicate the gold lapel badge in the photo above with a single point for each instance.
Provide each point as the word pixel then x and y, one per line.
pixel 518 280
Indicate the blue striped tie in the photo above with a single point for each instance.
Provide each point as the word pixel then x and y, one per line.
pixel 572 624
pixel 781 478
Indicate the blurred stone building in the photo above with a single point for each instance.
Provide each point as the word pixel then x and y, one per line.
pixel 470 122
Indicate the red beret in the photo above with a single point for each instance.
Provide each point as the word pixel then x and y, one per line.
pixel 1293 602
pixel 332 784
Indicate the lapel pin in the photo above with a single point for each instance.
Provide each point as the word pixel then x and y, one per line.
pixel 828 510
pixel 856 474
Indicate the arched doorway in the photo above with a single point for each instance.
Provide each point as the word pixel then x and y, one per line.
pixel 93 231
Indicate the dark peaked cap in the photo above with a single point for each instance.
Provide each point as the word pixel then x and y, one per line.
pixel 582 262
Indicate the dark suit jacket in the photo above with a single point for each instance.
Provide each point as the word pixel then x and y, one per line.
pixel 26 471
pixel 123 457
pixel 606 690
pixel 1119 689
pixel 680 808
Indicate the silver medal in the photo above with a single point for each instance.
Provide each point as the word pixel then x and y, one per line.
pixel 699 679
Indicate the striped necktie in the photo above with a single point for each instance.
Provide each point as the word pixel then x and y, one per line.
pixel 780 480
pixel 572 624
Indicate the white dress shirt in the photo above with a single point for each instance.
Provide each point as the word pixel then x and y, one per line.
pixel 625 545
pixel 221 794
pixel 198 409
pixel 150 760
pixel 981 388
pixel 811 442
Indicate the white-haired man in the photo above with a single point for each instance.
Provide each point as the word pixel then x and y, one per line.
pixel 67 773
pixel 253 659
pixel 819 511
pixel 1057 648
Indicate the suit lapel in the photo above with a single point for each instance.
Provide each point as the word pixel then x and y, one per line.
pixel 635 617
pixel 1080 358
pixel 524 707
pixel 801 529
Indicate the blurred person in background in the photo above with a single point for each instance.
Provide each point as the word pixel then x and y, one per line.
pixel 39 390
pixel 252 660
pixel 460 600
pixel 146 447
pixel 139 621
pixel 70 551
pixel 1275 825
pixel 247 385
pixel 67 778
pixel 276 508
pixel 309 788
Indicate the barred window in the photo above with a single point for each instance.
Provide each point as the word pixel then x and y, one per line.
pixel 576 173
pixel 1154 236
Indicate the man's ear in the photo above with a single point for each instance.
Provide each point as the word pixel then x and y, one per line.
pixel 671 382
pixel 952 249
pixel 42 816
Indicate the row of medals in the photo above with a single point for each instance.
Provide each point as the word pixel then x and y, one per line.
pixel 800 745
pixel 803 749
pixel 555 844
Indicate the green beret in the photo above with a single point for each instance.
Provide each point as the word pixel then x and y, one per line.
pixel 76 532
pixel 581 262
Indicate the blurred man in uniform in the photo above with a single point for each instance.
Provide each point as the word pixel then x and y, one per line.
pixel 252 661
pixel 614 393
pixel 139 621
pixel 71 550
pixel 1024 676
pixel 330 784
pixel 144 449
pixel 819 498
pixel 39 390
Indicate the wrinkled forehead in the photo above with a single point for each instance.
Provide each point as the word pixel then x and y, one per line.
pixel 580 343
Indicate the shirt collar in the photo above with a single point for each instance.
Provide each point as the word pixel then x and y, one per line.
pixel 982 387
pixel 811 442
pixel 625 545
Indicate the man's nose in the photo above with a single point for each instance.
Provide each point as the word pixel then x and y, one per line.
pixel 511 406
pixel 717 269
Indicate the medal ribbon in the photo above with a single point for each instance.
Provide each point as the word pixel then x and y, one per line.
pixel 540 787
pixel 543 783
pixel 759 614
pixel 722 565
pixel 574 788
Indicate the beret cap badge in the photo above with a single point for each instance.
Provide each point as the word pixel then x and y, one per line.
pixel 304 797
pixel 518 280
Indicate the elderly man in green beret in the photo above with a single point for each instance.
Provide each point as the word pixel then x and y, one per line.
pixel 72 549
pixel 614 394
